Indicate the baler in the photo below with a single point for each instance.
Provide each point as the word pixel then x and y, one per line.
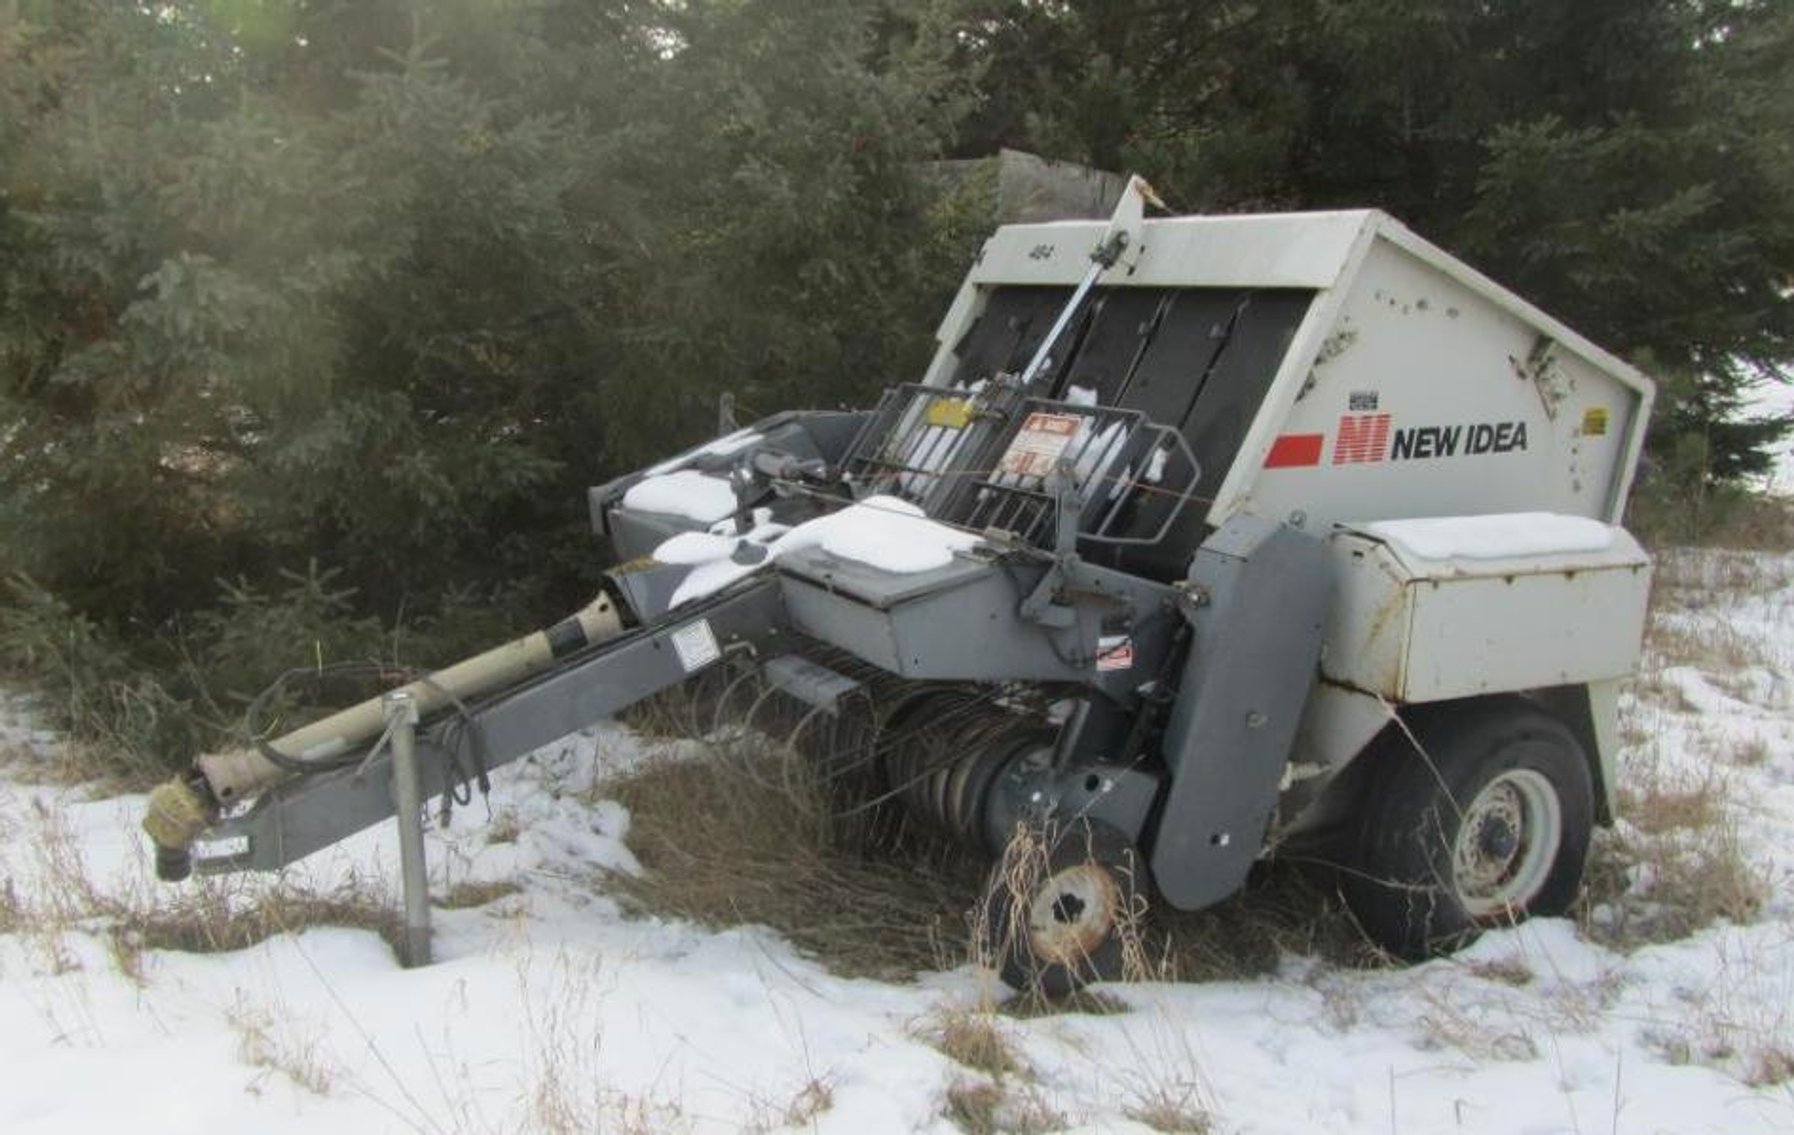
pixel 1200 537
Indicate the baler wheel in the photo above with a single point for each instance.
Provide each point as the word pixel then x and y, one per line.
pixel 1064 907
pixel 1487 822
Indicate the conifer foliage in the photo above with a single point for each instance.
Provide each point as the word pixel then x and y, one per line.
pixel 342 305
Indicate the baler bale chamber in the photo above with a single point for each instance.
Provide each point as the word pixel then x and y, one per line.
pixel 1200 536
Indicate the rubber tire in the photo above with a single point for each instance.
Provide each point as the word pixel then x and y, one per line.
pixel 1015 883
pixel 1399 878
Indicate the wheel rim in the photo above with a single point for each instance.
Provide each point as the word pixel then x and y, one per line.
pixel 1072 914
pixel 1507 844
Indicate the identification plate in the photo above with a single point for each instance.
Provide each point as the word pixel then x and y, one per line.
pixel 1041 441
pixel 229 847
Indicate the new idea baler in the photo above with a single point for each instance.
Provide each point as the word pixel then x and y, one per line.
pixel 1199 537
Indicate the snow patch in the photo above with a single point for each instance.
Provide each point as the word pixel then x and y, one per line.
pixel 1497 537
pixel 695 548
pixel 884 532
pixel 685 493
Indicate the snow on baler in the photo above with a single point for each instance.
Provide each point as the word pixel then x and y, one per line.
pixel 1199 536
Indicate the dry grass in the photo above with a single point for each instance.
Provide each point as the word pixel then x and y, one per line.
pixel 504 827
pixel 1758 1066
pixel 973 1106
pixel 1757 522
pixel 15 916
pixel 1697 577
pixel 802 1110
pixel 1171 1110
pixel 735 829
pixel 220 918
pixel 1029 1005
pixel 974 1040
pixel 1742 1022
pixel 205 916
pixel 467 895
pixel 565 1060
pixel 71 764
pixel 1673 863
pixel 1029 1112
pixel 1161 1084
pixel 1286 908
pixel 1750 752
pixel 266 1040
pixel 1771 1066
pixel 1448 1026
pixel 1655 807
pixel 1645 888
pixel 980 1107
pixel 745 832
pixel 1504 971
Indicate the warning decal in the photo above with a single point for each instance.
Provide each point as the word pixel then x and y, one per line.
pixel 1041 441
pixel 1115 652
pixel 695 644
pixel 950 413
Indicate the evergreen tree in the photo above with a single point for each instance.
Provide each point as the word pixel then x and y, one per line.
pixel 312 310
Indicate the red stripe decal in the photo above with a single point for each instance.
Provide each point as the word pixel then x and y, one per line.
pixel 1295 449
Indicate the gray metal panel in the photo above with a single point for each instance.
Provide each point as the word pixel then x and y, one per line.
pixel 803 434
pixel 808 681
pixel 636 534
pixel 969 632
pixel 1257 641
pixel 875 586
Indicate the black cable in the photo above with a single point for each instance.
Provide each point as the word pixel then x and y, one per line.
pixel 460 739
pixel 316 676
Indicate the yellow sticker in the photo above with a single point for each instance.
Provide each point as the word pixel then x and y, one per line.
pixel 950 413
pixel 1594 421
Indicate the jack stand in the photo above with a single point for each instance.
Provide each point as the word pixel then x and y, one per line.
pixel 401 723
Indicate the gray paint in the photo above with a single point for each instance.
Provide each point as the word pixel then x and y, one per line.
pixel 1260 598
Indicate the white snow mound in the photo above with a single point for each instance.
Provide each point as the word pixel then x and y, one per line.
pixel 1496 537
pixel 884 532
pixel 684 492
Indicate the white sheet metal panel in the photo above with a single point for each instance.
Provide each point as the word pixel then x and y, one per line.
pixel 1415 387
pixel 1429 398
pixel 1415 630
pixel 1272 250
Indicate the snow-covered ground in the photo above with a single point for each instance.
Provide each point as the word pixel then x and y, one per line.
pixel 549 1010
